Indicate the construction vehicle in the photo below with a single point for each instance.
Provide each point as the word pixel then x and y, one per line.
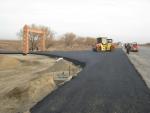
pixel 103 44
pixel 134 47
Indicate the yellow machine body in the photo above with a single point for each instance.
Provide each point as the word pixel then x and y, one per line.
pixel 104 44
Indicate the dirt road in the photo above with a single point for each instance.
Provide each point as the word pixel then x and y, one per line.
pixel 107 84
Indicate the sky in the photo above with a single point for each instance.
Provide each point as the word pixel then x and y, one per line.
pixel 121 20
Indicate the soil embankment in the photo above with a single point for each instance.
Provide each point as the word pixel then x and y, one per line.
pixel 25 80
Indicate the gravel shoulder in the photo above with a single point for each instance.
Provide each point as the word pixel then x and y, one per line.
pixel 141 60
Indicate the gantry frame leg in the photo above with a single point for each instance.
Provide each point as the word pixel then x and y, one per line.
pixel 26 31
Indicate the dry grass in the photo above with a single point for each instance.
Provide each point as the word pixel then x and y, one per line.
pixel 58 45
pixel 10 45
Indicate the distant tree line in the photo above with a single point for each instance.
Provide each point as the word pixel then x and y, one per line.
pixel 67 40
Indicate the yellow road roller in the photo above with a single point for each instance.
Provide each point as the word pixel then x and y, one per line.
pixel 103 44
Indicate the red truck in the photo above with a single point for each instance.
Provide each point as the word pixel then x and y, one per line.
pixel 134 47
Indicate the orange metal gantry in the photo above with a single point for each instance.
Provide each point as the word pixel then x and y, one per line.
pixel 26 31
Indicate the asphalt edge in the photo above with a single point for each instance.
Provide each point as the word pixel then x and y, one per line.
pixel 76 62
pixel 139 74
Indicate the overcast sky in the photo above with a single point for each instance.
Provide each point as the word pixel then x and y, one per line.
pixel 122 20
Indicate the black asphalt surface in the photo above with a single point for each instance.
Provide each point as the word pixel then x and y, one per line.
pixel 108 84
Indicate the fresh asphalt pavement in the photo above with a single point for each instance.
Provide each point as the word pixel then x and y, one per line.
pixel 107 84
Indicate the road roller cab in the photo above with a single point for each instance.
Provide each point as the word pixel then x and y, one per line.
pixel 110 45
pixel 103 44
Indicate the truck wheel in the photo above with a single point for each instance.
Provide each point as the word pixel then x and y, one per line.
pixel 94 49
